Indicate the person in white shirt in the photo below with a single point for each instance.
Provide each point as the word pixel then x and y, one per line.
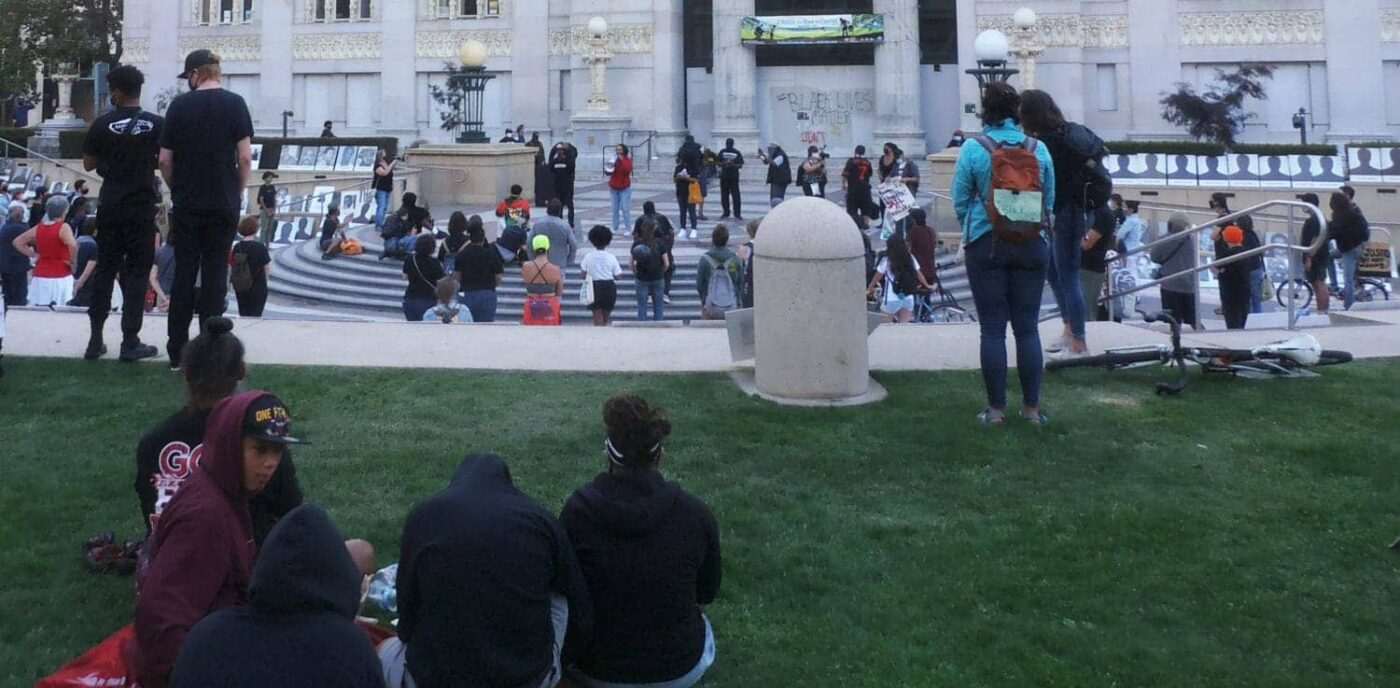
pixel 602 268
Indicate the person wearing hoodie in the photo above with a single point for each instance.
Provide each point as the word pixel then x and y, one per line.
pixel 299 626
pixel 718 262
pixel 200 557
pixel 167 455
pixel 563 160
pixel 483 535
pixel 651 556
pixel 779 173
pixel 1178 293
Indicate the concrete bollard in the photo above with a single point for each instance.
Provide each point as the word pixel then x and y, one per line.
pixel 810 319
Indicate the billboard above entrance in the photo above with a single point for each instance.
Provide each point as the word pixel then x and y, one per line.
pixel 812 29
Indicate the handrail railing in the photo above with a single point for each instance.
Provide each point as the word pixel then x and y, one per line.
pixel 56 163
pixel 648 142
pixel 1192 233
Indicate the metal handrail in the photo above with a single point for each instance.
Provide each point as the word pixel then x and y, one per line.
pixel 56 163
pixel 1293 250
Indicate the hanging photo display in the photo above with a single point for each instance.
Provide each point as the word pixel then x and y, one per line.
pixel 812 29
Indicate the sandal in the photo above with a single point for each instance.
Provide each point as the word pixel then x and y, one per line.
pixel 1039 419
pixel 990 418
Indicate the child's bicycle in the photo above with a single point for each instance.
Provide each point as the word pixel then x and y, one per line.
pixel 1290 358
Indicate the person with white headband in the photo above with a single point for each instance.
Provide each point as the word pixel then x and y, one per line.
pixel 649 552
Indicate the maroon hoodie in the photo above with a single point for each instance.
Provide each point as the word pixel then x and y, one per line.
pixel 200 557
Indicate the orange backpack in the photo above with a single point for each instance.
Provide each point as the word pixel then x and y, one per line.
pixel 1016 203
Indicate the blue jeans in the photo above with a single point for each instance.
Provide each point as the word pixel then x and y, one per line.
pixel 621 210
pixel 707 660
pixel 1350 260
pixel 1256 291
pixel 1063 270
pixel 381 208
pixel 482 304
pixel 653 290
pixel 414 308
pixel 1007 283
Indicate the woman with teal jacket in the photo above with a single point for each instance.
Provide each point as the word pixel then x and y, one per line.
pixel 1007 279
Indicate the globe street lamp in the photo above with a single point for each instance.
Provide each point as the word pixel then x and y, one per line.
pixel 597 59
pixel 991 49
pixel 472 83
pixel 1026 46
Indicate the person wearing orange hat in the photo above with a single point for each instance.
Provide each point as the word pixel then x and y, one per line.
pixel 1234 277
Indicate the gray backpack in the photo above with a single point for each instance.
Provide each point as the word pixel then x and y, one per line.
pixel 720 296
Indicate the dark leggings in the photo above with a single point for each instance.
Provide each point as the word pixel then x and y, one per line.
pixel 1008 282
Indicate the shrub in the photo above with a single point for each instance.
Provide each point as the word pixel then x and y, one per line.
pixel 1205 148
pixel 18 136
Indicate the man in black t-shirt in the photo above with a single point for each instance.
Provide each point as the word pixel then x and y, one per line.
pixel 730 162
pixel 123 146
pixel 267 209
pixel 206 157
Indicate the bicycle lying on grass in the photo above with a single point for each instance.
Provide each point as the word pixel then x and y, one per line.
pixel 1290 358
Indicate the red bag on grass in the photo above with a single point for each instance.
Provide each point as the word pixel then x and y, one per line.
pixel 102 666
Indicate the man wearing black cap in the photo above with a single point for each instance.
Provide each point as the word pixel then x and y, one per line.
pixel 123 146
pixel 206 157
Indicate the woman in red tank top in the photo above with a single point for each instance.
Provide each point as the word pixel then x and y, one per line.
pixel 52 242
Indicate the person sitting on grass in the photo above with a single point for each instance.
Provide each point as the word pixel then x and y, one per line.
pixel 650 554
pixel 199 558
pixel 299 626
pixel 448 311
pixel 168 454
pixel 487 586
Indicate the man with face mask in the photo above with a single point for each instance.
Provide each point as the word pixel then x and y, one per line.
pixel 206 158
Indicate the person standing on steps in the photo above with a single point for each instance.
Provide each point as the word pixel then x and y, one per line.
pixel 479 272
pixel 665 235
pixel 267 209
pixel 252 264
pixel 649 265
pixel 562 161
pixel 683 180
pixel 603 268
pixel 383 186
pixel 123 147
pixel 855 181
pixel 731 161
pixel 422 271
pixel 563 249
pixel 52 244
pixel 205 157
pixel 779 173
pixel 620 189
pixel 812 175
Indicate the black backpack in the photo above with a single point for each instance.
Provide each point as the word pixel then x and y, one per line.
pixel 241 276
pixel 648 260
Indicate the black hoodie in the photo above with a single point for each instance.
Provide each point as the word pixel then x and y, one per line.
pixel 478 564
pixel 650 553
pixel 299 626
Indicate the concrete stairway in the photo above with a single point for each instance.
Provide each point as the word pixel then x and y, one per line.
pixel 367 283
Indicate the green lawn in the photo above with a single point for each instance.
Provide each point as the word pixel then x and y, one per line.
pixel 1235 536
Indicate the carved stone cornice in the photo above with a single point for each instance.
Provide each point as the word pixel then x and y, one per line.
pixel 445 44
pixel 623 38
pixel 242 48
pixel 1302 27
pixel 1390 26
pixel 1068 30
pixel 136 50
pixel 338 46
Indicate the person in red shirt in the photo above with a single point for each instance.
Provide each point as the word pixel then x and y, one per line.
pixel 620 189
pixel 515 209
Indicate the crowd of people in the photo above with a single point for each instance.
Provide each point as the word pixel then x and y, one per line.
pixel 242 582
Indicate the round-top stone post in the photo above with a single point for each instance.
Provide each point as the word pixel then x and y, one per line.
pixel 810 324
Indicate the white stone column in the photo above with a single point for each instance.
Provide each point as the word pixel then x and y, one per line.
pixel 735 77
pixel 668 76
pixel 1154 65
pixel 1354 76
pixel 275 82
pixel 529 66
pixel 897 87
pixel 398 78
pixel 967 59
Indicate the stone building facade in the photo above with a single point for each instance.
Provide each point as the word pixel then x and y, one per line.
pixel 678 66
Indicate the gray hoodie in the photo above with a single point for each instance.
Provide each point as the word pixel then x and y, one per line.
pixel 1176 256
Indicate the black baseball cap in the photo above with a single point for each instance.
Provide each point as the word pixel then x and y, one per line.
pixel 1308 198
pixel 197 59
pixel 267 420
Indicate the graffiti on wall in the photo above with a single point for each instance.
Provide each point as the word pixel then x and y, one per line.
pixel 834 117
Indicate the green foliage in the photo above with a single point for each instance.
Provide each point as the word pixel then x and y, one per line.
pixel 1217 114
pixel 73 34
pixel 1207 148
pixel 450 97
pixel 1217 539
pixel 19 136
pixel 1373 144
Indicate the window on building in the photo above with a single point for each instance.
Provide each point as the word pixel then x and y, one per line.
pixel 699 34
pixel 1108 87
pixel 468 9
pixel 208 12
pixel 342 10
pixel 938 31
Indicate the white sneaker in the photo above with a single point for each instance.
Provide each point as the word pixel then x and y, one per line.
pixel 1067 355
pixel 1061 344
pixel 694 234
pixel 665 299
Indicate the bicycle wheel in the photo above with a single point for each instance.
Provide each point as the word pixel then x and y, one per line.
pixel 1302 298
pixel 1108 361
pixel 1368 289
pixel 946 313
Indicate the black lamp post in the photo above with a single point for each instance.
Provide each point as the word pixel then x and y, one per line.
pixel 472 82
pixel 992 49
pixel 1300 122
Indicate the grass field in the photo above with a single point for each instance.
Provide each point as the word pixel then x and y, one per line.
pixel 1235 536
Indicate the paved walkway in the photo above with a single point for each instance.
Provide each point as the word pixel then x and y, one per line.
pixel 1367 334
